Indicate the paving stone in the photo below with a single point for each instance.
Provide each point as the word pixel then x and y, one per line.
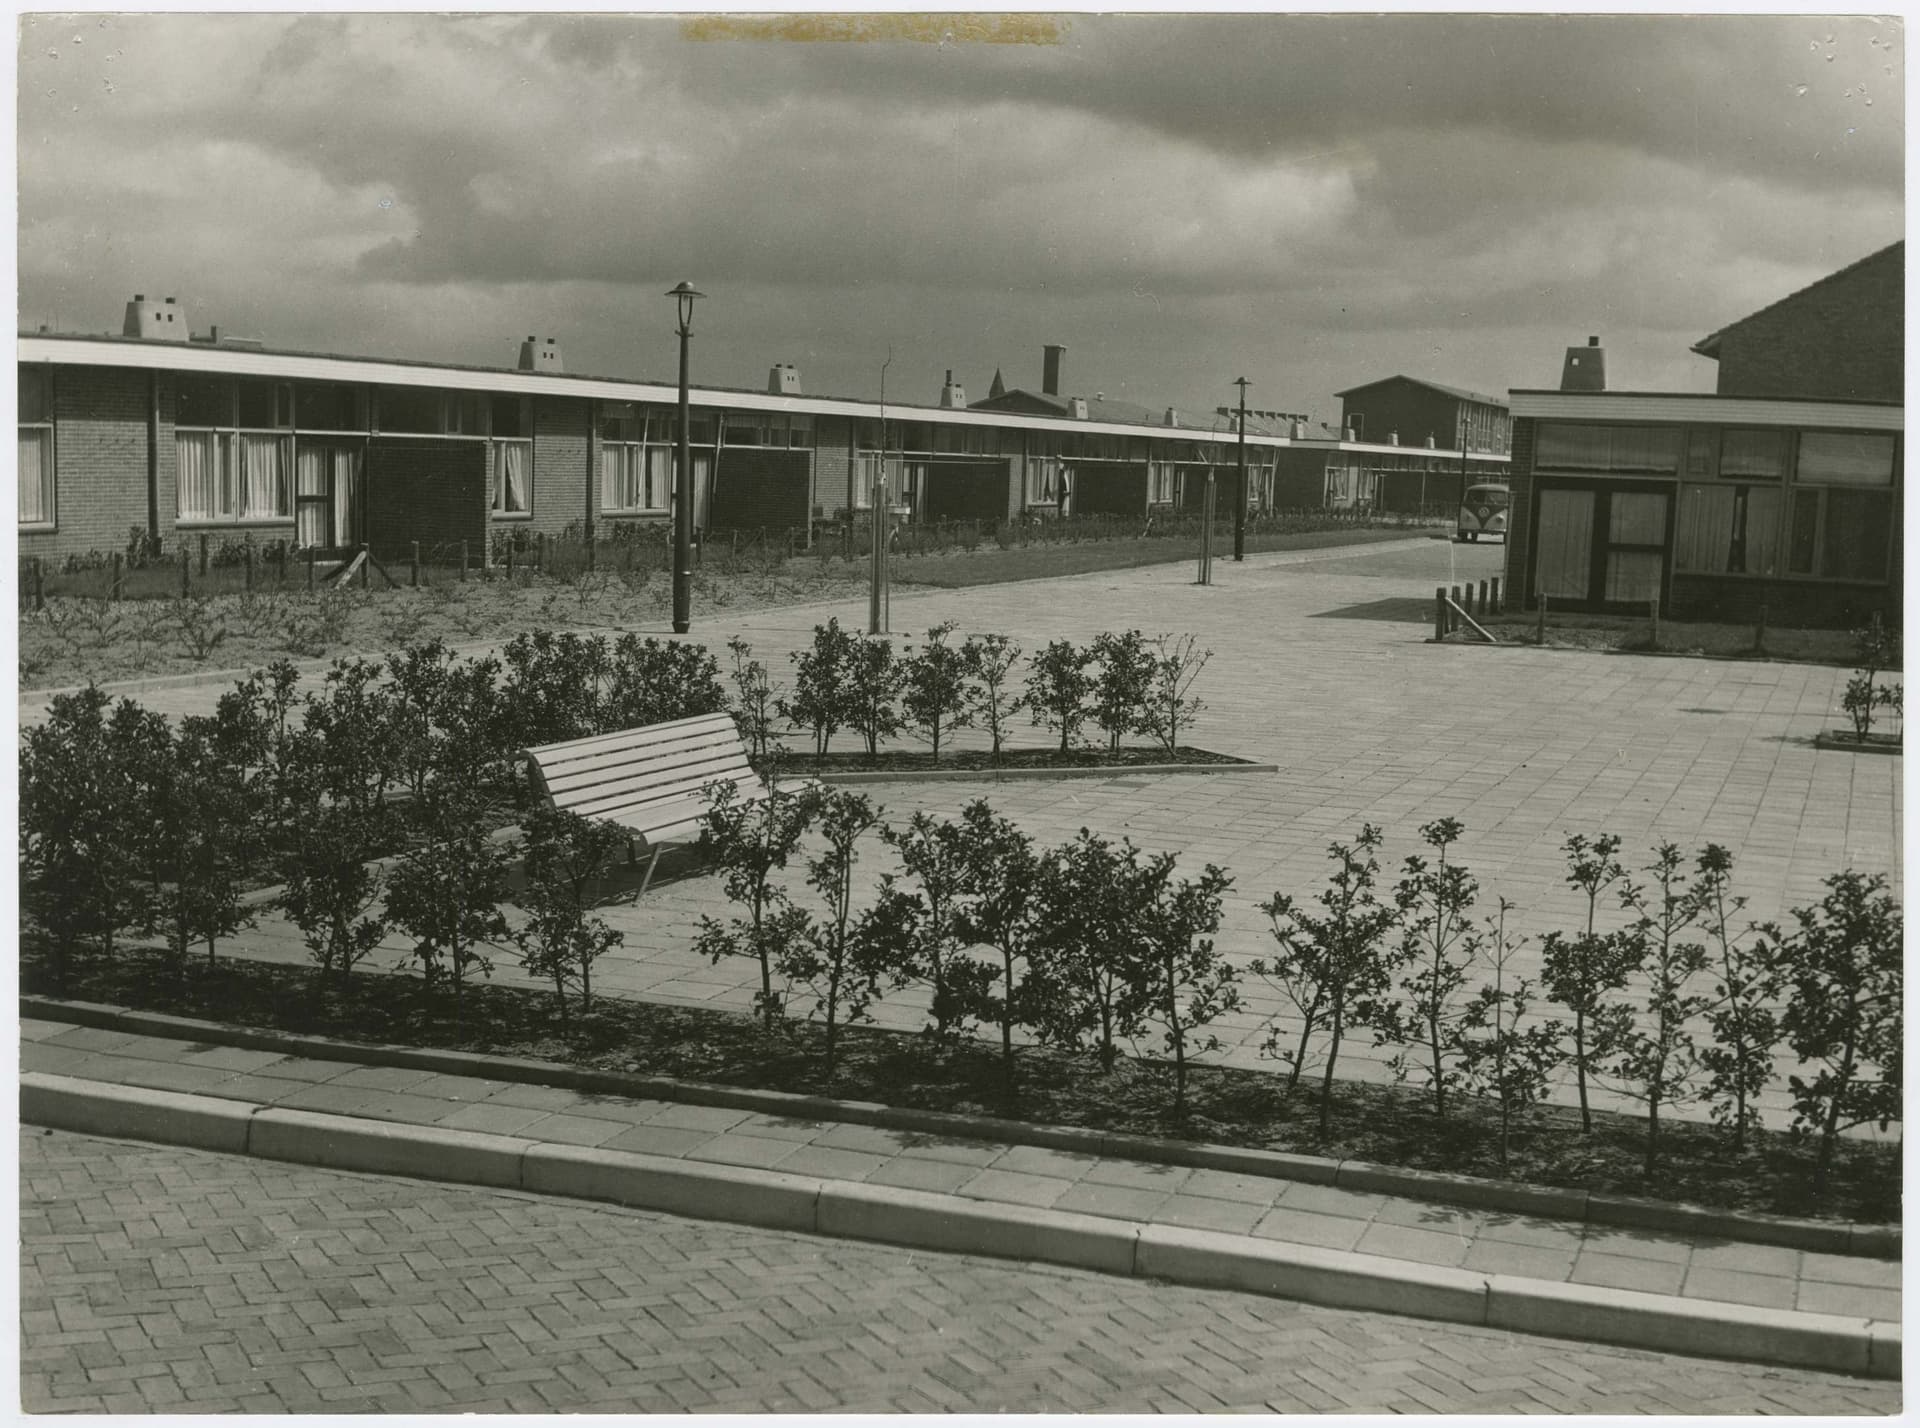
pixel 1529 1261
pixel 1328 1200
pixel 1200 1212
pixel 1851 1301
pixel 1766 1290
pixel 1651 1276
pixel 1850 1269
pixel 490 1118
pixel 649 1139
pixel 730 1148
pixel 830 1164
pixel 1405 1242
pixel 1303 1227
pixel 572 1130
pixel 911 1173
pixel 1119 1202
pixel 1016 1188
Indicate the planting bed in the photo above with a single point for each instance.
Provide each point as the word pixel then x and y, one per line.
pixel 910 761
pixel 1386 1125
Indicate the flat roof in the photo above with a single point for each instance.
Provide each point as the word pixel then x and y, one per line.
pixel 1711 407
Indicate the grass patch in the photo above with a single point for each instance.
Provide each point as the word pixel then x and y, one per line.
pixel 1230 1106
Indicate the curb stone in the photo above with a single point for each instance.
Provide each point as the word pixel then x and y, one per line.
pixel 921 1219
pixel 1579 1206
pixel 861 776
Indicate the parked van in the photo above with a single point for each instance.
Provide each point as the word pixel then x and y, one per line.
pixel 1483 511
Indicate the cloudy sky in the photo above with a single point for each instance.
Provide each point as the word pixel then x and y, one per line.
pixel 1314 202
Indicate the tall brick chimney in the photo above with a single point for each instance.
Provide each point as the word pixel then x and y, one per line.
pixel 1050 373
pixel 1585 369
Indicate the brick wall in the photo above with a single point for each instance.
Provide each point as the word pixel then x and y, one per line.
pixel 758 487
pixel 426 489
pixel 1789 603
pixel 100 463
pixel 833 444
pixel 966 490
pixel 562 441
pixel 1520 514
pixel 1843 339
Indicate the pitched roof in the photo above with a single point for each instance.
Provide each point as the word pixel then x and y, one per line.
pixel 1709 346
pixel 1459 393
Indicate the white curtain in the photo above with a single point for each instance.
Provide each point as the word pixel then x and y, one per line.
pixel 263 459
pixel 310 519
pixel 613 492
pixel 36 467
pixel 512 488
pixel 199 475
pixel 658 495
pixel 346 493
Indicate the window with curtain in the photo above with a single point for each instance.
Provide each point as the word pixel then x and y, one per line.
pixel 1727 530
pixel 1839 458
pixel 265 477
pixel 513 478
pixel 201 481
pixel 35 469
pixel 1626 450
pixel 1752 455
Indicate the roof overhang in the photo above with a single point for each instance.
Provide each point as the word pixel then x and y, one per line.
pixel 1707 407
pixel 303 367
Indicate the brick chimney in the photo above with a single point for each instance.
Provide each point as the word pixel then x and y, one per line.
pixel 536 356
pixel 1050 372
pixel 1585 369
pixel 783 379
pixel 952 394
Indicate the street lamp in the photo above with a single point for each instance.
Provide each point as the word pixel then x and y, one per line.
pixel 684 295
pixel 1240 483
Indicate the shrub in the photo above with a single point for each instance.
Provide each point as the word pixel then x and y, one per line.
pixel 1580 972
pixel 1843 963
pixel 1191 983
pixel 836 955
pixel 1000 889
pixel 936 694
pixel 1059 688
pixel 654 681
pixel 1331 965
pixel 821 678
pixel 1439 944
pixel 554 686
pixel 565 855
pixel 1499 1057
pixel 1169 705
pixel 204 827
pixel 446 896
pixel 202 630
pixel 1091 986
pixel 989 661
pixel 1657 1059
pixel 750 842
pixel 754 699
pixel 873 689
pixel 1739 1055
pixel 1875 648
pixel 351 715
pixel 1121 687
pixel 923 925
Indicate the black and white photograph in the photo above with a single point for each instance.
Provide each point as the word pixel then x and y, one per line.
pixel 800 712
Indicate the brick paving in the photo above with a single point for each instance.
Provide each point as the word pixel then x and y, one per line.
pixel 1392 1227
pixel 175 1281
pixel 1320 666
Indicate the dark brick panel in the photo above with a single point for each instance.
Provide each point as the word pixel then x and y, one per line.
pixel 1109 489
pixel 758 487
pixel 966 491
pixel 426 490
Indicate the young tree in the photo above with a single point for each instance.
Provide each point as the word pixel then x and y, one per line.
pixel 253 725
pixel 1092 986
pixel 1656 1059
pixel 937 696
pixel 204 824
pixel 1058 689
pixel 1000 895
pixel 1580 972
pixel 555 686
pixel 1499 1057
pixel 417 709
pixel 989 661
pixel 656 681
pixel 1438 943
pixel 821 677
pixel 446 896
pixel 1875 648
pixel 834 954
pixel 139 769
pixel 1844 965
pixel 1192 983
pixel 873 692
pixel 1120 689
pixel 1334 964
pixel 351 715
pixel 924 924
pixel 1170 705
pixel 566 855
pixel 754 701
pixel 750 842
pixel 1739 1055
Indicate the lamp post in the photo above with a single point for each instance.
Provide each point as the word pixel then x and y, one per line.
pixel 684 295
pixel 1240 482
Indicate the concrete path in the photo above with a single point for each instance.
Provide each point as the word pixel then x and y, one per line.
pixel 1693 1268
pixel 160 1279
pixel 1320 666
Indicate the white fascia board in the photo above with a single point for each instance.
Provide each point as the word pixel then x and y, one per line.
pixel 1706 407
pixel 1368 448
pixel 284 366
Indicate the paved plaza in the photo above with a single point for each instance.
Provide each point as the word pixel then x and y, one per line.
pixel 1320 666
pixel 156 1279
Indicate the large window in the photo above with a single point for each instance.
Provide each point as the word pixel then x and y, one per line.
pixel 636 457
pixel 36 447
pixel 1624 450
pixel 1752 455
pixel 235 454
pixel 1842 516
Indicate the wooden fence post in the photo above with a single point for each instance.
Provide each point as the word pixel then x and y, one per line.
pixel 310 555
pixel 366 566
pixel 415 562
pixel 203 555
pixel 1439 613
pixel 1494 595
pixel 463 562
pixel 246 561
pixel 113 581
pixel 1653 612
pixel 39 583
pixel 1482 602
pixel 509 562
pixel 1540 625
pixel 540 552
pixel 186 572
pixel 1760 631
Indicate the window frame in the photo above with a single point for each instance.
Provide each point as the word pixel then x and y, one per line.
pixel 42 376
pixel 230 472
pixel 497 478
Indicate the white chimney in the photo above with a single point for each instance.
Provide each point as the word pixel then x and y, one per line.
pixel 783 380
pixel 1077 408
pixel 155 321
pixel 952 394
pixel 536 356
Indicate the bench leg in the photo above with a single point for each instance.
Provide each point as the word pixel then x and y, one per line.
pixel 652 863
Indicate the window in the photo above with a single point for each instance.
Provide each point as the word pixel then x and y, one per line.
pixel 512 416
pixel 1046 480
pixel 329 406
pixel 1838 458
pixel 234 476
pixel 467 414
pixel 409 410
pixel 1840 517
pixel 513 477
pixel 203 401
pixel 36 446
pixel 1724 529
pixel 1753 455
pixel 256 406
pixel 1160 483
pixel 1626 450
pixel 636 477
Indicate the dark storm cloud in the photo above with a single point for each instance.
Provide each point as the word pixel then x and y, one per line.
pixel 1152 189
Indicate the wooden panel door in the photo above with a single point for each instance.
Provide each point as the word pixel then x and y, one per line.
pixel 1563 564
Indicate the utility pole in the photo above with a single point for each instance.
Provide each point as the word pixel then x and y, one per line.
pixel 1240 484
pixel 684 296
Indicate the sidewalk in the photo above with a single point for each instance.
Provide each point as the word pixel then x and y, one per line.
pixel 1425 1249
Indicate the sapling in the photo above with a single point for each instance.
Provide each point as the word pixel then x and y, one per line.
pixel 1192 983
pixel 1058 689
pixel 833 954
pixel 1582 971
pixel 873 690
pixel 329 885
pixel 754 701
pixel 936 693
pixel 819 701
pixel 1170 704
pixel 1843 963
pixel 1499 1057
pixel 1000 893
pixel 1438 944
pixel 750 842
pixel 1331 964
pixel 990 661
pixel 923 924
pixel 1746 1028
pixel 446 896
pixel 565 856
pixel 1122 683
pixel 203 824
pixel 1656 1060
pixel 1092 985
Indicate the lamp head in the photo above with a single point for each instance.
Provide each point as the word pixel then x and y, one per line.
pixel 684 295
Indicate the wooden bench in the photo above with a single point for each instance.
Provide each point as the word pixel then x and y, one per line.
pixel 651 780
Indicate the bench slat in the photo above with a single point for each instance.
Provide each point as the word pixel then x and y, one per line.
pixel 621 738
pixel 656 780
pixel 612 763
